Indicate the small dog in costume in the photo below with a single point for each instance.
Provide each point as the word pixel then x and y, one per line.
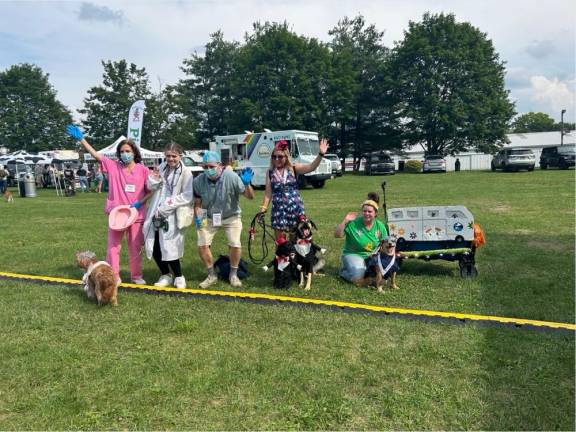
pixel 284 263
pixel 306 251
pixel 383 265
pixel 99 280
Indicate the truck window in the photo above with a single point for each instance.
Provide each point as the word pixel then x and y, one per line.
pixel 433 213
pixel 308 146
pixel 397 214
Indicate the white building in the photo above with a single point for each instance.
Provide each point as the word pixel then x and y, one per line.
pixel 481 161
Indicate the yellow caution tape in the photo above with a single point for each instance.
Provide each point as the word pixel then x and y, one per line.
pixel 320 302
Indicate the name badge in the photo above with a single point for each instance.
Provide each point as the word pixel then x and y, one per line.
pixel 217 219
pixel 129 187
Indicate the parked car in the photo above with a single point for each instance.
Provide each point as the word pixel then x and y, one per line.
pixel 336 164
pixel 379 162
pixel 434 163
pixel 558 156
pixel 514 159
pixel 192 165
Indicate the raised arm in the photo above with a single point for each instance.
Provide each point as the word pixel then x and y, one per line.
pixel 306 168
pixel 75 132
pixel 339 231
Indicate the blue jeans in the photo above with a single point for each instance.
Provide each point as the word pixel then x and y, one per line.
pixel 84 184
pixel 2 186
pixel 352 267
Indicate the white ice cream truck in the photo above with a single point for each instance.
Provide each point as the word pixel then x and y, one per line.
pixel 254 150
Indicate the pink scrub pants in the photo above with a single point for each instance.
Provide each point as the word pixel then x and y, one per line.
pixel 135 240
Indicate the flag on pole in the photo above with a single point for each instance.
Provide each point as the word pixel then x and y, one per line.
pixel 135 120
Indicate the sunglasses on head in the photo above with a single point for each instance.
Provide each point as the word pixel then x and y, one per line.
pixel 278 157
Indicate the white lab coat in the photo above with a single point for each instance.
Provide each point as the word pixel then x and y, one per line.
pixel 171 241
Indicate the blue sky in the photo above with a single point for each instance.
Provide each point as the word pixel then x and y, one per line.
pixel 68 39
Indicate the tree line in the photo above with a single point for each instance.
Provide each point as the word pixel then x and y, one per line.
pixel 441 86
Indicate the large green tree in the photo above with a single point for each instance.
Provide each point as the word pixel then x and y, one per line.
pixel 537 122
pixel 449 82
pixel 31 117
pixel 204 101
pixel 281 79
pixel 107 105
pixel 362 108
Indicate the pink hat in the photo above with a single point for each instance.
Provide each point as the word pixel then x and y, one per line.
pixel 121 217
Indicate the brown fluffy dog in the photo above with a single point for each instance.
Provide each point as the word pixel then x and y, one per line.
pixel 8 196
pixel 99 280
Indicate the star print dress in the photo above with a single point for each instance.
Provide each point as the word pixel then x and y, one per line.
pixel 287 206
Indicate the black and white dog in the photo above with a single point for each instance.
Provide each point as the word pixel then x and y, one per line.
pixel 285 266
pixel 307 251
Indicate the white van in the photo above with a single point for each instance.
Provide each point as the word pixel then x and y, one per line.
pixel 254 150
pixel 449 225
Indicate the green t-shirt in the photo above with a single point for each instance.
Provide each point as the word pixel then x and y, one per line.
pixel 220 196
pixel 361 241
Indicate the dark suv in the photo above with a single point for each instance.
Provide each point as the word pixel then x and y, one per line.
pixel 379 163
pixel 558 156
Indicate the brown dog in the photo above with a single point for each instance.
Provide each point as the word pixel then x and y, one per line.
pixel 8 196
pixel 383 264
pixel 99 280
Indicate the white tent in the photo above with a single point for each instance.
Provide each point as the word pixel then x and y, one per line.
pixel 110 151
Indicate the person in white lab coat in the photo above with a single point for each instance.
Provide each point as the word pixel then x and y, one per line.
pixel 163 240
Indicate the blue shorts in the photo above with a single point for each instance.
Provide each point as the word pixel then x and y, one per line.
pixel 352 267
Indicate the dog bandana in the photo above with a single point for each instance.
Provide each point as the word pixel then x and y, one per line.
pixel 89 271
pixel 303 247
pixel 383 270
pixel 282 262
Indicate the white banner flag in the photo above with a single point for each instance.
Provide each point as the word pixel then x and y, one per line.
pixel 135 120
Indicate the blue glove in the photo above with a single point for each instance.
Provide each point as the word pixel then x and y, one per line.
pixel 74 132
pixel 198 222
pixel 246 176
pixel 136 204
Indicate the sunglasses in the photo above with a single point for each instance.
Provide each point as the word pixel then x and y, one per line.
pixel 278 157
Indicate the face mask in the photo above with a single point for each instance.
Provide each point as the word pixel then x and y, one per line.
pixel 127 157
pixel 212 172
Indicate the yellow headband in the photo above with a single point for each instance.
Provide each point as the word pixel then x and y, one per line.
pixel 371 203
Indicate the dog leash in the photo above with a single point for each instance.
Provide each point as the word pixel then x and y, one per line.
pixel 260 221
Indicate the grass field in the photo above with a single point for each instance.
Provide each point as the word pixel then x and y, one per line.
pixel 157 362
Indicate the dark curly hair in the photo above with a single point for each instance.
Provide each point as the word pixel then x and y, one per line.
pixel 135 150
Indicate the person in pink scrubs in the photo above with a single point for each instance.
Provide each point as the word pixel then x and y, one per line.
pixel 126 186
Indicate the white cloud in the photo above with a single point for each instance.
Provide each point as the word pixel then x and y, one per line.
pixel 558 95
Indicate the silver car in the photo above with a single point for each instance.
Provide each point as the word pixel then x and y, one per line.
pixel 336 164
pixel 434 163
pixel 514 159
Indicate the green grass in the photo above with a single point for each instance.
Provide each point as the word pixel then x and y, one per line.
pixel 158 362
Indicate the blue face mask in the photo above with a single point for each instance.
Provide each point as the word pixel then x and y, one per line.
pixel 127 157
pixel 211 172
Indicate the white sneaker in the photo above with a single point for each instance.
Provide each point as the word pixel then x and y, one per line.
pixel 164 281
pixel 180 282
pixel 210 280
pixel 235 281
pixel 139 281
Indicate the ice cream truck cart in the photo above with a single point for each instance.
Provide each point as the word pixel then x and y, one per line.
pixel 436 232
pixel 254 150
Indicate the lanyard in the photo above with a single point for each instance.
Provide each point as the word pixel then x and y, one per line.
pixel 218 189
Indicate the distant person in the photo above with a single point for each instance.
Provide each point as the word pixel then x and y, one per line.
pixel 46 180
pixel 127 186
pixel 362 236
pixel 457 165
pixel 282 187
pixel 98 178
pixel 69 178
pixel 3 178
pixel 83 179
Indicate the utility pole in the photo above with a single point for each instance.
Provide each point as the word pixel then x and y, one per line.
pixel 562 127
